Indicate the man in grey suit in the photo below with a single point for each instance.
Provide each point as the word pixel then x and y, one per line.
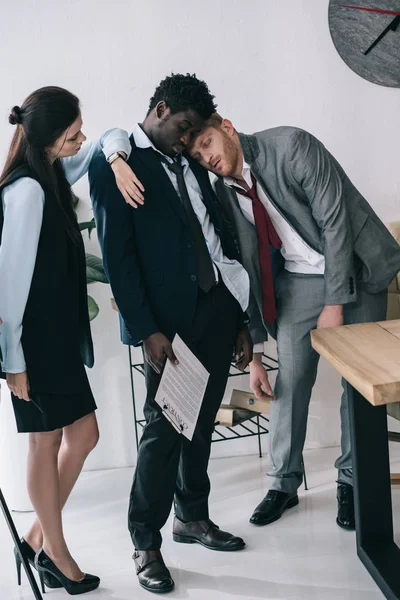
pixel 317 256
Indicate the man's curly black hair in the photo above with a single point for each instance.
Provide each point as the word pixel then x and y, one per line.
pixel 181 92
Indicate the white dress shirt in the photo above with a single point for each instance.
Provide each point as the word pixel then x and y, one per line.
pixel 298 256
pixel 23 203
pixel 233 274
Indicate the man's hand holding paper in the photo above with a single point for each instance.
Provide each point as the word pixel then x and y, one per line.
pixel 182 387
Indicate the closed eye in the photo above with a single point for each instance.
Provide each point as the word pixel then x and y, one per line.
pixel 74 137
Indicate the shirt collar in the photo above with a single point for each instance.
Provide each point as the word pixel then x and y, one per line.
pixel 246 173
pixel 143 141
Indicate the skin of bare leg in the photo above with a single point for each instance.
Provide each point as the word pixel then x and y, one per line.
pixel 78 440
pixel 44 485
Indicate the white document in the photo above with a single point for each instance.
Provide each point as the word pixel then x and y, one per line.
pixel 181 390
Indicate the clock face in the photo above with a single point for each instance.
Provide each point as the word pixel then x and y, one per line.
pixel 366 33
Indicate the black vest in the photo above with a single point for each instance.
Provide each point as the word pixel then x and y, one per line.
pixel 56 335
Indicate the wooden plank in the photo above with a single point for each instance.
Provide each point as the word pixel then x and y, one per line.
pixel 392 327
pixel 395 478
pixel 366 355
pixel 229 416
pixel 248 400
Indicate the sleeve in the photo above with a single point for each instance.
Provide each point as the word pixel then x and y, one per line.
pixel 252 316
pixel 315 170
pixel 114 140
pixel 242 320
pixel 116 237
pixel 23 203
pixel 258 348
pixel 257 329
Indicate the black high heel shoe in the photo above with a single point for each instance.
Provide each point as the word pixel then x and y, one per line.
pixel 44 564
pixel 29 553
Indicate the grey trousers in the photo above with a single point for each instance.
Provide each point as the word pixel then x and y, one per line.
pixel 300 300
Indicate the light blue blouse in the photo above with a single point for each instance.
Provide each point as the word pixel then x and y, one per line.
pixel 23 203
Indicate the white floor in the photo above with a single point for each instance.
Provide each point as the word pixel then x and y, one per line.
pixel 304 556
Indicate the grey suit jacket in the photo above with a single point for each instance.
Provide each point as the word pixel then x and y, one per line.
pixel 313 193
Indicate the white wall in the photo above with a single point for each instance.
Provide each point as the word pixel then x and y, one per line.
pixel 268 62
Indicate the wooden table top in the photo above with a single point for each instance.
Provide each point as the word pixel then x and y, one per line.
pixel 367 355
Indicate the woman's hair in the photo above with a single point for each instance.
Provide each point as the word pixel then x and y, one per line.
pixel 44 116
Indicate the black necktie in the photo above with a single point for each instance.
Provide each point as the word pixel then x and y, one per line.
pixel 205 269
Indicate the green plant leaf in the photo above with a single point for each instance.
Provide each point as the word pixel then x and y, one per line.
pixel 89 225
pixel 93 308
pixel 75 201
pixel 95 269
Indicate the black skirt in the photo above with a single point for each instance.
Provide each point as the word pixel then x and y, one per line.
pixel 56 410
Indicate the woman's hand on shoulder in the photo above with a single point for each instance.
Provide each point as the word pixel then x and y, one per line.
pixel 127 182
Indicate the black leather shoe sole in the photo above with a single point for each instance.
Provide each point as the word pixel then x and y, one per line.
pixel 268 520
pixel 164 590
pixel 186 539
pixel 345 527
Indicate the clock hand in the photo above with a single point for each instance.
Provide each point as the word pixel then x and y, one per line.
pixel 391 27
pixel 374 10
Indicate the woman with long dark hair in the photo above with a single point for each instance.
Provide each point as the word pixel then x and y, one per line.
pixel 46 337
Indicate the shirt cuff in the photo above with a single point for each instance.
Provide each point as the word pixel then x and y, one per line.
pixel 258 348
pixel 14 360
pixel 119 144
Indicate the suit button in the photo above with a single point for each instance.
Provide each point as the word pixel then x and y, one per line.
pixel 190 244
pixel 193 277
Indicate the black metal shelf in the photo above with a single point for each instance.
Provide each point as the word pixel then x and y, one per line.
pixel 254 427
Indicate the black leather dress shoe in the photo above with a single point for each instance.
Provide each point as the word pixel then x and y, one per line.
pixel 152 573
pixel 345 498
pixel 207 534
pixel 272 506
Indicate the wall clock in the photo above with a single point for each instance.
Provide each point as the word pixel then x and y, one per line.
pixel 366 33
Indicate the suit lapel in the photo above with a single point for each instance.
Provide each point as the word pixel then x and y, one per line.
pixel 149 159
pixel 243 226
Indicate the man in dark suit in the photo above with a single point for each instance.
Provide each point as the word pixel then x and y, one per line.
pixel 173 269
pixel 317 256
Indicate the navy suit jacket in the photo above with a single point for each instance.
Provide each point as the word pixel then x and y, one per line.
pixel 148 252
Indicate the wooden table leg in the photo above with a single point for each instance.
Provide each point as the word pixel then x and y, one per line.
pixel 372 493
pixel 17 542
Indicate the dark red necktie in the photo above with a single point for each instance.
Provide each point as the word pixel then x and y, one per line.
pixel 266 235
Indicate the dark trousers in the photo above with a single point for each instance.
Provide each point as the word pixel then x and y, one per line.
pixel 168 464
